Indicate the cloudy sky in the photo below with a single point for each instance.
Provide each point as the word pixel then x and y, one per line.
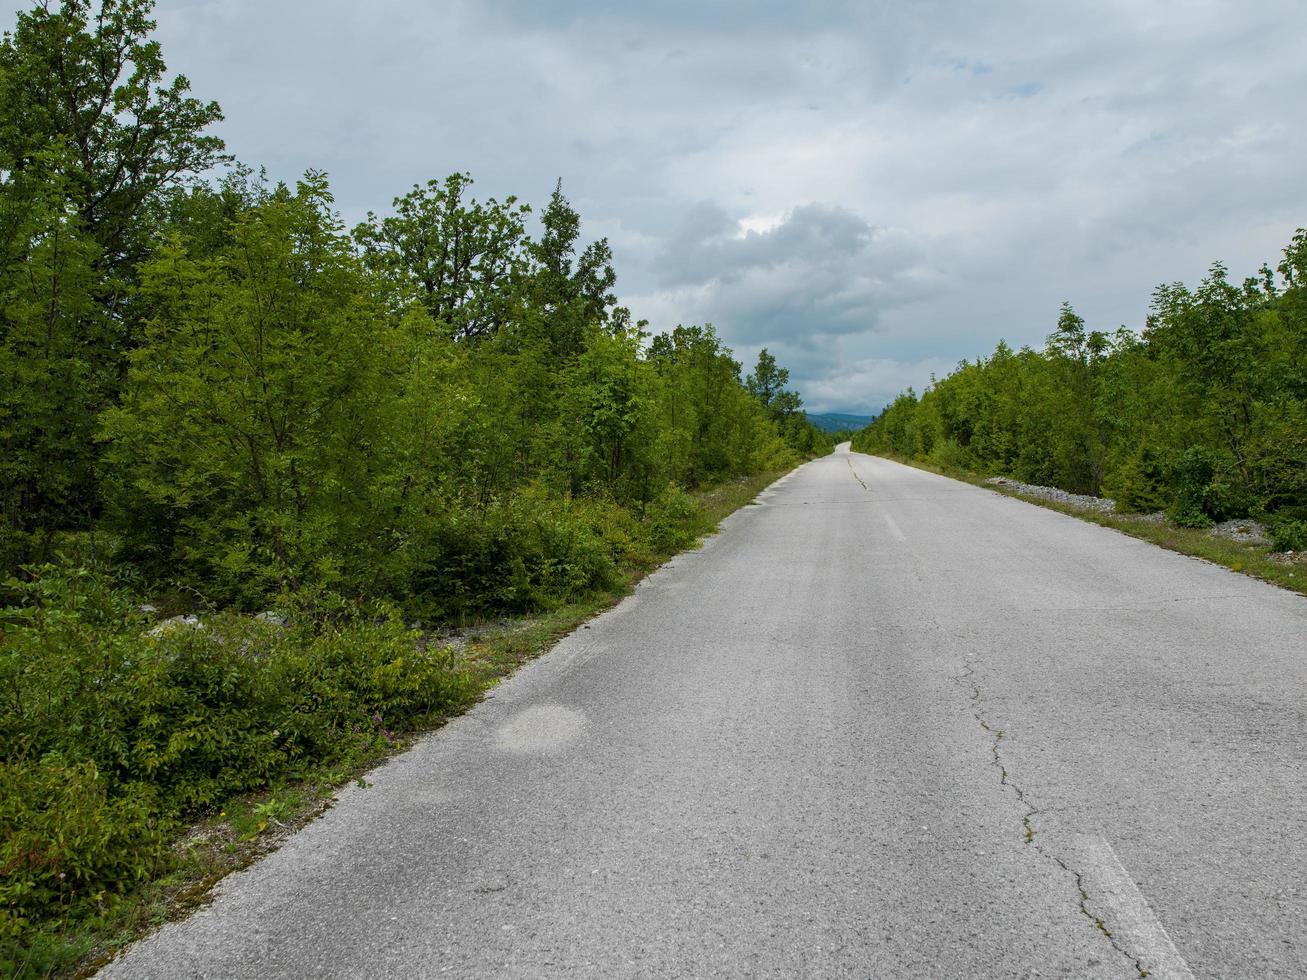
pixel 873 190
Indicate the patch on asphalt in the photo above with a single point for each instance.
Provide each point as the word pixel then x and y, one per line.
pixel 541 730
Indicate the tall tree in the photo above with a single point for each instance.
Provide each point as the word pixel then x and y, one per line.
pixel 768 383
pixel 87 97
pixel 91 133
pixel 51 385
pixel 251 444
pixel 768 379
pixel 571 292
pixel 462 259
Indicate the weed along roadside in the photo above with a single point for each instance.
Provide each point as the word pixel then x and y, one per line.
pixel 215 737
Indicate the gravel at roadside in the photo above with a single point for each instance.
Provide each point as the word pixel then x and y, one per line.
pixel 1053 493
pixel 1243 529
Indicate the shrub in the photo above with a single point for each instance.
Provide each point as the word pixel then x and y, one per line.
pixel 947 454
pixel 114 734
pixel 67 836
pixel 534 550
pixel 1136 484
pixel 1288 535
pixel 1193 496
pixel 673 521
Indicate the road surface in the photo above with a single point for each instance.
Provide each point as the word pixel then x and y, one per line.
pixel 884 724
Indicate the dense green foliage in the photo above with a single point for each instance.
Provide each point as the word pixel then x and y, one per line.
pixel 1204 415
pixel 295 415
pixel 114 734
pixel 91 136
pixel 221 393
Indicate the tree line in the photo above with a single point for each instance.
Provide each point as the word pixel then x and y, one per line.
pixel 242 394
pixel 1202 414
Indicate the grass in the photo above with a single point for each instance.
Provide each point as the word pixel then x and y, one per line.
pixel 1257 561
pixel 724 499
pixel 246 828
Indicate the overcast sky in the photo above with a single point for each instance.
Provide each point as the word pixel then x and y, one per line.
pixel 872 190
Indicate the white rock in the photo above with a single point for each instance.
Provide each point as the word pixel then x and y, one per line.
pixel 176 623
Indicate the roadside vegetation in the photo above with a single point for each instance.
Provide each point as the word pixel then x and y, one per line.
pixel 217 401
pixel 1201 418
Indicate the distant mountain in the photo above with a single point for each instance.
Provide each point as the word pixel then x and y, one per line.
pixel 835 421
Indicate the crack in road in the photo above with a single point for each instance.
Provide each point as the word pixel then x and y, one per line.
pixel 967 678
pixel 856 477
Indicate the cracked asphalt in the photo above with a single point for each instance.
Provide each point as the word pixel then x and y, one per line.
pixel 884 724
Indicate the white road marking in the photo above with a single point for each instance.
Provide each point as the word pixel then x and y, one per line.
pixel 893 528
pixel 1129 916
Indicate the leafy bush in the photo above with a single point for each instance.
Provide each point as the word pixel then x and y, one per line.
pixel 673 520
pixel 948 455
pixel 1136 484
pixel 114 734
pixel 774 454
pixel 1289 535
pixel 67 837
pixel 1201 491
pixel 534 550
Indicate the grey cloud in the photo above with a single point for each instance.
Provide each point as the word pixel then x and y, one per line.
pixel 948 171
pixel 710 244
pixel 820 270
pixel 733 16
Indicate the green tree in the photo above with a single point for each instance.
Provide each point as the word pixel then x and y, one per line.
pixel 463 260
pixel 51 384
pixel 708 420
pixel 570 293
pixel 768 380
pixel 1068 340
pixel 254 445
pixel 92 135
pixel 609 405
pixel 87 101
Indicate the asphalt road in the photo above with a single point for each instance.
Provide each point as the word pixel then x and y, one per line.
pixel 883 725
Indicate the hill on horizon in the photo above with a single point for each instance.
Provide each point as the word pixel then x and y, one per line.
pixel 835 421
